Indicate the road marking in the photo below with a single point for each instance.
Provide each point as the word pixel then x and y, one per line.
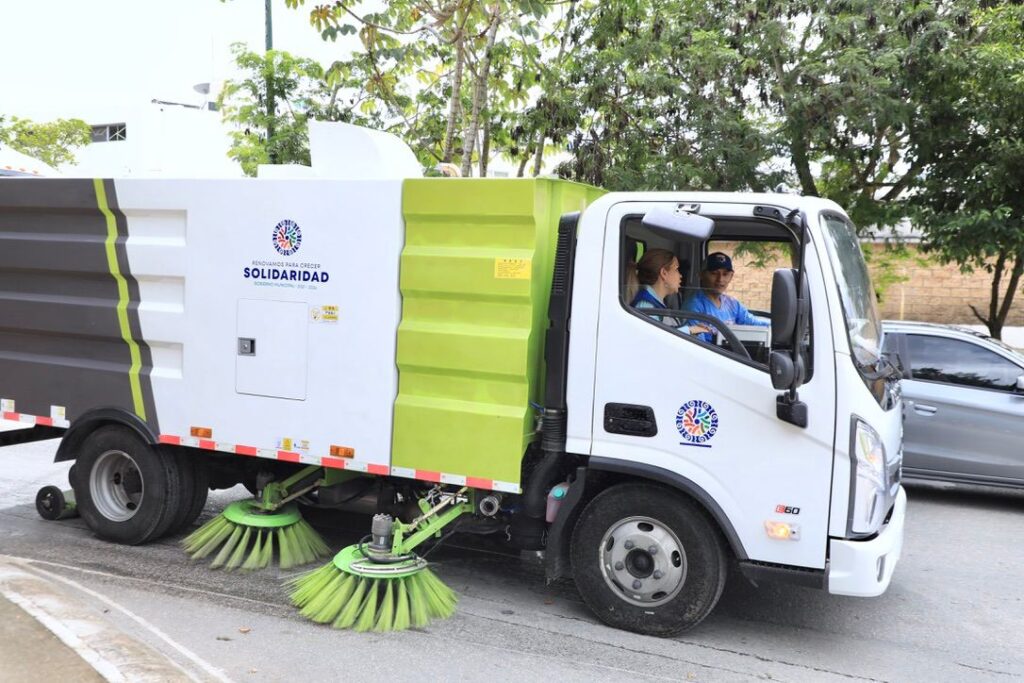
pixel 172 586
pixel 27 566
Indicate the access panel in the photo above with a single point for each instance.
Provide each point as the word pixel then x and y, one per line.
pixel 271 348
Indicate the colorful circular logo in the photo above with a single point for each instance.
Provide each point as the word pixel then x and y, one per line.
pixel 287 237
pixel 697 421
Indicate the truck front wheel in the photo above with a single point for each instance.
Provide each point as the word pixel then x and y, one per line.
pixel 127 491
pixel 648 560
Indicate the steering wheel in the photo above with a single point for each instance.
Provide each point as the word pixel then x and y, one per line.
pixel 734 343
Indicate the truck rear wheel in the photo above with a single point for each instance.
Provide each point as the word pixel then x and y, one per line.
pixel 195 487
pixel 127 491
pixel 648 560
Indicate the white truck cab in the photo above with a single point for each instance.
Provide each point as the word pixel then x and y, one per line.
pixel 800 471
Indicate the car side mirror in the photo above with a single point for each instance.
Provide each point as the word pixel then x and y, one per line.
pixel 1020 384
pixel 680 222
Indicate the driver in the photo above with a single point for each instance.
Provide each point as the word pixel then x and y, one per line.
pixel 712 300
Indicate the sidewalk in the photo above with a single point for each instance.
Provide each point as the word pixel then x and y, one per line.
pixel 30 652
pixel 49 630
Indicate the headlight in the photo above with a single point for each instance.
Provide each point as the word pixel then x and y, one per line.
pixel 868 485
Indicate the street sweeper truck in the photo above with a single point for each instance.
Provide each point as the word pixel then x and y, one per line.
pixel 519 357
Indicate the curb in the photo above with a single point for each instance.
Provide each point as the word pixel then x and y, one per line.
pixel 112 653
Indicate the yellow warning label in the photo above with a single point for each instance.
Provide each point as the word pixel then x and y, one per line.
pixel 286 444
pixel 6 405
pixel 512 268
pixel 330 314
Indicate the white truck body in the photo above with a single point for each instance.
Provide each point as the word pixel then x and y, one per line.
pixel 265 320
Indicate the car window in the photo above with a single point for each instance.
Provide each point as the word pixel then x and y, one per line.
pixel 953 361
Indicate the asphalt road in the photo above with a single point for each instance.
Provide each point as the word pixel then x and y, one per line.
pixel 955 610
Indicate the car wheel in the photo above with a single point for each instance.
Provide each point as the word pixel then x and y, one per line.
pixel 647 559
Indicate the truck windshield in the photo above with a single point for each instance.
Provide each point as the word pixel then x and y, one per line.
pixel 855 290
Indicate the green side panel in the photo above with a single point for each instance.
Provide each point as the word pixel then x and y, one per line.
pixel 475 279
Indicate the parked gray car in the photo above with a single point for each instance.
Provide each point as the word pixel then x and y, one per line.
pixel 963 404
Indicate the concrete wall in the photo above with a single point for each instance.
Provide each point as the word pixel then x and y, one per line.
pixel 929 291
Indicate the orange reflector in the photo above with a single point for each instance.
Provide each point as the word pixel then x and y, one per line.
pixel 343 452
pixel 202 432
pixel 777 530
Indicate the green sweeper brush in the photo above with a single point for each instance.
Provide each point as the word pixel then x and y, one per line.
pixel 249 534
pixel 382 585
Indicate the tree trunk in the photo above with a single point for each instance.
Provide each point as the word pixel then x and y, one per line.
pixel 538 159
pixel 454 110
pixel 798 146
pixel 271 105
pixel 485 149
pixel 999 310
pixel 996 330
pixel 542 134
pixel 479 95
pixel 522 166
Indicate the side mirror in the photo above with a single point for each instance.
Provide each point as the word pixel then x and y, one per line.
pixel 784 308
pixel 680 222
pixel 789 311
pixel 786 363
pixel 1020 384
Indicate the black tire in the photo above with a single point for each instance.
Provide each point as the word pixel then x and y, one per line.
pixel 50 503
pixel 127 490
pixel 198 489
pixel 688 554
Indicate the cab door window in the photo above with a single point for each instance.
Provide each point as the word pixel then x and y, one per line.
pixel 670 277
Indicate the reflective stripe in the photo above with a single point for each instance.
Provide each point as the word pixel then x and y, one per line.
pixel 343 464
pixel 122 299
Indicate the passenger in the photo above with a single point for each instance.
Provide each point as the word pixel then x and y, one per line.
pixel 658 276
pixel 712 300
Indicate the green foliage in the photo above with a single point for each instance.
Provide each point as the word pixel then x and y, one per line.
pixel 885 108
pixel 971 147
pixel 300 91
pixel 453 80
pixel 53 142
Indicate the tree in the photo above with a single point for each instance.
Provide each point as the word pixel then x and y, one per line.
pixel 971 150
pixel 710 94
pixel 299 91
pixel 438 75
pixel 649 100
pixel 54 143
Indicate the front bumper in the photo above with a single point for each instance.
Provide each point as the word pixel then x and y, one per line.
pixel 864 568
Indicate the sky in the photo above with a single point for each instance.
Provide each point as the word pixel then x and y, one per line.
pixel 71 58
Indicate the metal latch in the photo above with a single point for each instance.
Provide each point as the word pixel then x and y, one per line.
pixel 246 346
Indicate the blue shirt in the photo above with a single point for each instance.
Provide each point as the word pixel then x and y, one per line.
pixel 731 311
pixel 646 298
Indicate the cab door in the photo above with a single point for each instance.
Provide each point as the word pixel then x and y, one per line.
pixel 682 410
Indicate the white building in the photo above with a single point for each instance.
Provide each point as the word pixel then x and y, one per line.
pixel 155 139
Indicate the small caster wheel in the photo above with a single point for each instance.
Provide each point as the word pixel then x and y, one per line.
pixel 53 504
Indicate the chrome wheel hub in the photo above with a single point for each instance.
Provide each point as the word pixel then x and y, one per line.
pixel 643 561
pixel 116 486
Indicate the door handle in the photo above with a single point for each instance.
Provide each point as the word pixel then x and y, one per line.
pixel 922 409
pixel 632 420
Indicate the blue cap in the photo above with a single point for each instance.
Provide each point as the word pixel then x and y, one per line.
pixel 718 261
